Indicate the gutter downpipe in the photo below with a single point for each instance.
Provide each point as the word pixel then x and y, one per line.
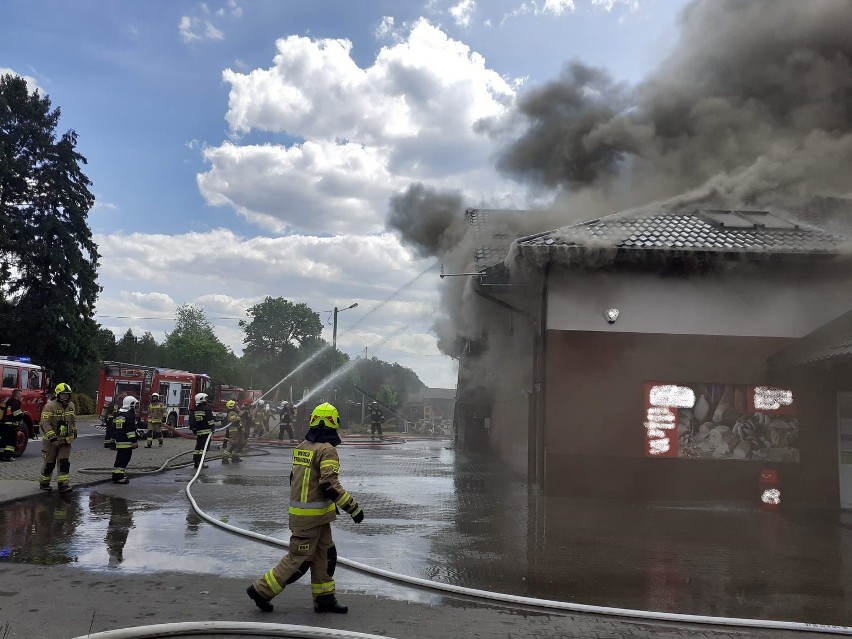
pixel 539 383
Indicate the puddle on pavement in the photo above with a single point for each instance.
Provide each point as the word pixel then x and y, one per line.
pixel 431 516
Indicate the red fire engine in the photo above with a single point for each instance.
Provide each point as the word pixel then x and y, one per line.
pixel 177 389
pixel 34 382
pixel 222 393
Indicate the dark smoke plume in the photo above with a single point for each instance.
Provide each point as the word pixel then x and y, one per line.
pixel 430 221
pixel 756 97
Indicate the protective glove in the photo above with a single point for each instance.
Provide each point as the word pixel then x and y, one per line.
pixel 135 445
pixel 358 517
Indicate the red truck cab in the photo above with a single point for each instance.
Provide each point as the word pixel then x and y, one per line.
pixel 34 382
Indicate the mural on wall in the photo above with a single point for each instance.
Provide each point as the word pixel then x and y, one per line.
pixel 721 421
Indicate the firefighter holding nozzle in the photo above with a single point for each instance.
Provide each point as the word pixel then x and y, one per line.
pixel 125 438
pixel 59 428
pixel 315 496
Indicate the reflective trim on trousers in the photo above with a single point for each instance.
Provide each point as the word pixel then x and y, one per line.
pixel 322 589
pixel 272 582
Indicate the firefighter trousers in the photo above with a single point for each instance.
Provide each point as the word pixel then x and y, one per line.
pixel 122 459
pixel 53 453
pixel 309 549
pixel 282 427
pixel 376 426
pixel 200 442
pixel 8 439
pixel 155 431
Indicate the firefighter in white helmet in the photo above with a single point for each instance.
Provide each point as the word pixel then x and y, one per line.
pixel 125 438
pixel 202 426
pixel 315 495
pixel 156 419
pixel 59 428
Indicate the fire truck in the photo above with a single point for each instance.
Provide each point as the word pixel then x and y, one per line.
pixel 177 389
pixel 34 382
pixel 222 393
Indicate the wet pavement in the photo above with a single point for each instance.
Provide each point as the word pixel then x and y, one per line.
pixel 437 514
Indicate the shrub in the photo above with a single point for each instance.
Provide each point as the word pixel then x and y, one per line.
pixel 85 405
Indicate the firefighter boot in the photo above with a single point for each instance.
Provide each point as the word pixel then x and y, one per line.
pixel 258 599
pixel 45 486
pixel 64 488
pixel 328 603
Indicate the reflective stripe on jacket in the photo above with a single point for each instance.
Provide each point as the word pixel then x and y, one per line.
pixel 125 429
pixel 53 416
pixel 202 422
pixel 314 463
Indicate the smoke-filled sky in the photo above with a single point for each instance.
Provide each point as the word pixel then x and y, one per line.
pixel 324 151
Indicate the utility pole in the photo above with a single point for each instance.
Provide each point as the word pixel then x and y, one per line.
pixel 334 337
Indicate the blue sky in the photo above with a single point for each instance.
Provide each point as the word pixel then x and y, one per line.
pixel 220 187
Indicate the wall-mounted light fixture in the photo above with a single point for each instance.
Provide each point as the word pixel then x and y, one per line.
pixel 610 315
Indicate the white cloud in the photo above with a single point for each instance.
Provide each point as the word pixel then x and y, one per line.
pixel 418 113
pixel 609 5
pixel 463 12
pixel 387 29
pixel 149 275
pixel 32 84
pixel 193 28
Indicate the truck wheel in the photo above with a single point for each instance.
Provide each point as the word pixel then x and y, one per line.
pixel 21 440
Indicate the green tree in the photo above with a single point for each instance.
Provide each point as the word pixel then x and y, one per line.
pixel 278 337
pixel 193 345
pixel 278 326
pixel 387 396
pixel 48 260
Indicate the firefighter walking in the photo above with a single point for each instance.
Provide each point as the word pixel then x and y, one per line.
pixel 202 426
pixel 10 420
pixel 156 419
pixel 315 495
pixel 376 419
pixel 125 439
pixel 232 446
pixel 58 428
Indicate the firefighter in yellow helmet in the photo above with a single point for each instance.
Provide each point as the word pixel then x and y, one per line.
pixel 156 419
pixel 315 495
pixel 233 434
pixel 58 428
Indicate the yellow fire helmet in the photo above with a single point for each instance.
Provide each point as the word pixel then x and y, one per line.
pixel 230 404
pixel 325 415
pixel 62 388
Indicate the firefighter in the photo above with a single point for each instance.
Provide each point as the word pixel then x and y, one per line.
pixel 233 434
pixel 261 419
pixel 58 428
pixel 10 420
pixel 125 438
pixel 285 417
pixel 315 495
pixel 108 418
pixel 156 419
pixel 202 426
pixel 376 419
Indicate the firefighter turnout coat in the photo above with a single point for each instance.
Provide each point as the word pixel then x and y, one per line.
pixel 156 416
pixel 315 490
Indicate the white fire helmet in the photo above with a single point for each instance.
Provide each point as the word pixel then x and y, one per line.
pixel 155 397
pixel 129 403
pixel 200 398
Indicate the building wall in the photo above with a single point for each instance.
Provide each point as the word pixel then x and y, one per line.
pixel 775 301
pixel 595 405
